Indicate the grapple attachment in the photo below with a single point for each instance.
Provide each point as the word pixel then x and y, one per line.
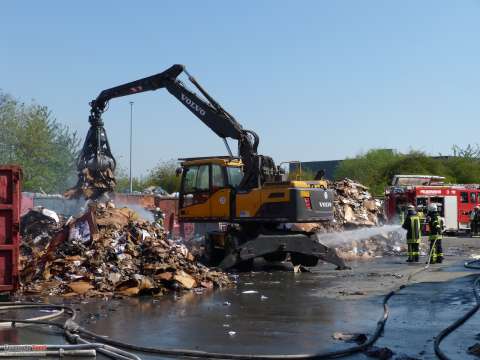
pixel 95 164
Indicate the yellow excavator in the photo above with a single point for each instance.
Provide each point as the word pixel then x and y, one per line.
pixel 247 191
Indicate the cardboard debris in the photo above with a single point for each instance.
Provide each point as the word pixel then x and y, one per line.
pixel 80 287
pixel 92 184
pixel 111 251
pixel 356 208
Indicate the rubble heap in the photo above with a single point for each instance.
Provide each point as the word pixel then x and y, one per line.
pixel 354 207
pixel 111 251
pixel 37 228
pixel 92 184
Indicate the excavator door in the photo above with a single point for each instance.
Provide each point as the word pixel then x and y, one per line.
pixel 205 193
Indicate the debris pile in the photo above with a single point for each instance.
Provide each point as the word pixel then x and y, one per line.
pixel 354 207
pixel 37 228
pixel 357 230
pixel 110 251
pixel 92 184
pixel 368 243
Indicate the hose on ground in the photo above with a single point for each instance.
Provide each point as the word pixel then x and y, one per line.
pixel 76 334
pixel 83 349
pixel 459 322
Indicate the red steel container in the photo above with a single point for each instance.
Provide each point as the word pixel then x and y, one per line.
pixel 10 203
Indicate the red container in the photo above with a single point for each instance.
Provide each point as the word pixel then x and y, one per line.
pixel 10 202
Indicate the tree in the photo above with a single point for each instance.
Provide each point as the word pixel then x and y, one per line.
pixel 417 163
pixel 165 176
pixel 468 152
pixel 369 168
pixel 33 138
pixel 464 165
pixel 376 168
pixel 123 181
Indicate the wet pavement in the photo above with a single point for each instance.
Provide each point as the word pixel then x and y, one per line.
pixel 276 311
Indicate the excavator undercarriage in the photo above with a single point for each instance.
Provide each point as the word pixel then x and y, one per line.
pixel 237 248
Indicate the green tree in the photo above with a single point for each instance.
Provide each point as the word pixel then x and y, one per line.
pixel 34 139
pixel 123 181
pixel 164 175
pixel 464 165
pixel 369 168
pixel 417 163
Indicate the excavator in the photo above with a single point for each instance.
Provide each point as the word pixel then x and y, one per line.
pixel 247 191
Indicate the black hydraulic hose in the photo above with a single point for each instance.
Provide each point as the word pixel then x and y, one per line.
pixel 459 322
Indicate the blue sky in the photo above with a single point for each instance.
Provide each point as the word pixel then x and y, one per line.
pixel 317 80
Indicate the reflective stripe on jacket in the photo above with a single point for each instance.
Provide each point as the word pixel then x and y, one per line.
pixel 413 227
pixel 436 227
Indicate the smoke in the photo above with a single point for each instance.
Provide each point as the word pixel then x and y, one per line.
pixel 347 237
pixel 142 212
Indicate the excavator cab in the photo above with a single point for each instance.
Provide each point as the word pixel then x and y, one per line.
pixel 207 187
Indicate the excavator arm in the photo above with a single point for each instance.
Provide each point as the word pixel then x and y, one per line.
pixel 96 163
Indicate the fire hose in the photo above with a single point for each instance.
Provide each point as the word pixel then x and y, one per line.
pixel 460 321
pixel 82 347
pixel 76 334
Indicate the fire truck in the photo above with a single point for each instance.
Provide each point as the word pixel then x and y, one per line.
pixel 454 201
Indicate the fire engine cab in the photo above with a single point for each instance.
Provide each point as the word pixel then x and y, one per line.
pixel 454 201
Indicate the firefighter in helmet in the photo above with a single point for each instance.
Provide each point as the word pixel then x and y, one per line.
pixel 435 231
pixel 421 214
pixel 159 216
pixel 414 234
pixel 475 221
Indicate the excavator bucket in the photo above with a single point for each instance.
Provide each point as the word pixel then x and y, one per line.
pixel 95 165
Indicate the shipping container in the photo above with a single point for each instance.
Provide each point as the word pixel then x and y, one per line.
pixel 10 203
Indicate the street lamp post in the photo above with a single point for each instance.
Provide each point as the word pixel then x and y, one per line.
pixel 131 128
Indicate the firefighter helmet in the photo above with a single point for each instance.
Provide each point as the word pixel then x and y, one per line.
pixel 432 207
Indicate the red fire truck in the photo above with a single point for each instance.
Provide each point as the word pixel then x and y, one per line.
pixel 455 201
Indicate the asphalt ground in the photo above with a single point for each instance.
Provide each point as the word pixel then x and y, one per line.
pixel 276 311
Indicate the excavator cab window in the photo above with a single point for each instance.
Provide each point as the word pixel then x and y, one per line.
pixel 235 175
pixel 218 177
pixel 196 185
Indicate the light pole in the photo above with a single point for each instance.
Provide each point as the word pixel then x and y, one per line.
pixel 131 128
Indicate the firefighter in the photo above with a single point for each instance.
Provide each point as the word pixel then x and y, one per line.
pixel 159 216
pixel 435 230
pixel 413 227
pixel 475 221
pixel 421 215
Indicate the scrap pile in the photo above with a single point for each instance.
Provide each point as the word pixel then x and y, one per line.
pixel 367 243
pixel 111 251
pixel 37 228
pixel 354 207
pixel 357 231
pixel 92 184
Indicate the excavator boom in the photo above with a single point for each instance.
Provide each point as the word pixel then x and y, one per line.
pixel 96 163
